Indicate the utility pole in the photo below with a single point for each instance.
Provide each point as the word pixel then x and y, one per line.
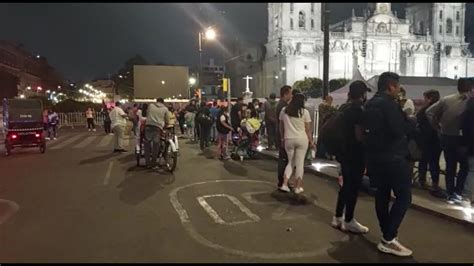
pixel 326 50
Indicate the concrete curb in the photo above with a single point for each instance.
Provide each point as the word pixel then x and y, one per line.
pixel 367 190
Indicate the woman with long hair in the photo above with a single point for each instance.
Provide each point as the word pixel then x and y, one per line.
pixel 295 129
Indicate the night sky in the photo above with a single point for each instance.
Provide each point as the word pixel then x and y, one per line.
pixel 88 40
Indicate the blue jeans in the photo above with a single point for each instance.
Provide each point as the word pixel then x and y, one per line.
pixel 152 144
pixel 214 132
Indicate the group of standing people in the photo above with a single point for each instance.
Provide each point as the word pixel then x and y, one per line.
pixel 377 137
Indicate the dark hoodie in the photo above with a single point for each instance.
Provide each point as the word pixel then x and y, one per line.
pixel 386 128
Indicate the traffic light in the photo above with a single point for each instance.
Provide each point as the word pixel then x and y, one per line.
pixel 364 48
pixel 225 84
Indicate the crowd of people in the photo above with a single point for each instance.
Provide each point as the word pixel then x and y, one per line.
pixel 381 137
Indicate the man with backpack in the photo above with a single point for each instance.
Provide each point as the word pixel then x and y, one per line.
pixel 349 151
pixel 269 108
pixel 386 129
pixel 205 121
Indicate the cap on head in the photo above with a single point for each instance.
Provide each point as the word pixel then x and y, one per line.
pixel 357 89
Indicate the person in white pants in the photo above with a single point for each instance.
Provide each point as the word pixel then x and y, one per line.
pixel 295 129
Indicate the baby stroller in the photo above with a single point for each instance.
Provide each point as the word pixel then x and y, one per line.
pixel 246 140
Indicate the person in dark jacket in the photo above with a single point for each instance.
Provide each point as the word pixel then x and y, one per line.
pixel 181 120
pixel 430 143
pixel 285 97
pixel 386 129
pixel 352 160
pixel 205 121
pixel 236 114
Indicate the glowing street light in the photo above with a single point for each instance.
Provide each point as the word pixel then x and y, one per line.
pixel 210 34
pixel 28 88
pixel 22 96
pixel 163 82
pixel 192 81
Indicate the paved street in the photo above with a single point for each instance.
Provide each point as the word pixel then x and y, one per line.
pixel 78 202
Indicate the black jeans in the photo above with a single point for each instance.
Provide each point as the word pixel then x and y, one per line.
pixel 450 145
pixel 204 137
pixel 430 158
pixel 352 173
pixel 390 176
pixel 107 128
pixel 282 163
pixel 181 126
pixel 90 123
pixel 52 131
pixel 271 128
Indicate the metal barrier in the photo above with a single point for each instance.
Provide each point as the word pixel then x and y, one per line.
pixel 78 119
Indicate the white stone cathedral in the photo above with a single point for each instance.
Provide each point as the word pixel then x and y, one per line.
pixel 430 42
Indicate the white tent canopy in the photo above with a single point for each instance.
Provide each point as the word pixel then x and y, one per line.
pixel 340 95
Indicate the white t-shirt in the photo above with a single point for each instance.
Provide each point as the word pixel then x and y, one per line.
pixel 409 107
pixel 294 127
pixel 89 114
pixel 116 117
pixel 222 118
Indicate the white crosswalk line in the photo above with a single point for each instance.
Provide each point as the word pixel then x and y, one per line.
pixel 85 142
pixel 105 141
pixel 65 143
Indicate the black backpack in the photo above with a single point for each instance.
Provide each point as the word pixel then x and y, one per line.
pixel 373 122
pixel 205 119
pixel 334 133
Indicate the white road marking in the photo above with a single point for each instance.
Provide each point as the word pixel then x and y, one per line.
pixel 202 200
pixel 66 142
pixel 85 142
pixel 188 226
pixel 105 141
pixel 13 207
pixel 109 171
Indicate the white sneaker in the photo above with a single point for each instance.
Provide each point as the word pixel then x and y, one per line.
pixel 285 188
pixel 394 247
pixel 55 138
pixel 299 190
pixel 89 130
pixel 337 222
pixel 47 138
pixel 93 130
pixel 354 227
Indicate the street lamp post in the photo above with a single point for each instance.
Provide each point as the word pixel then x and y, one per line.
pixel 209 34
pixel 326 51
